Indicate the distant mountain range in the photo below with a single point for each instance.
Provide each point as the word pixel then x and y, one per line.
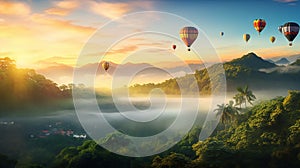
pixel 282 61
pixel 250 70
pixel 60 72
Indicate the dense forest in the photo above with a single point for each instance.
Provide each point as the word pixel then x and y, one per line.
pixel 24 91
pixel 249 69
pixel 264 135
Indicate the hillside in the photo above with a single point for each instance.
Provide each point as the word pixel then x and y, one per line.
pixel 265 135
pixel 296 63
pixel 21 88
pixel 251 61
pixel 250 70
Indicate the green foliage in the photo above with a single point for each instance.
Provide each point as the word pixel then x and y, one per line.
pixel 292 101
pixel 21 88
pixel 174 160
pixel 268 135
pixel 90 154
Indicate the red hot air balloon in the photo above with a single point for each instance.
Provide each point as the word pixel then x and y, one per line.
pixel 290 31
pixel 259 25
pixel 188 35
pixel 174 46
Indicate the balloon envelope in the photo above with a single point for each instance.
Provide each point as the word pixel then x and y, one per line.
pixel 280 29
pixel 222 33
pixel 188 35
pixel 105 65
pixel 290 31
pixel 259 25
pixel 272 39
pixel 246 37
pixel 174 47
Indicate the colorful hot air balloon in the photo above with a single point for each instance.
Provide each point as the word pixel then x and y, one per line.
pixel 174 46
pixel 221 33
pixel 272 39
pixel 246 37
pixel 290 31
pixel 188 35
pixel 280 28
pixel 259 25
pixel 105 65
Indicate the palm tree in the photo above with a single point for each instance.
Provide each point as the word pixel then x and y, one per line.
pixel 239 100
pixel 245 95
pixel 228 112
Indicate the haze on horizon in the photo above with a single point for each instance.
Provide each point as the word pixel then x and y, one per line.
pixel 45 35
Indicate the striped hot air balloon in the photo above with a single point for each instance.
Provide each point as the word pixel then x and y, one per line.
pixel 280 29
pixel 259 25
pixel 188 35
pixel 290 31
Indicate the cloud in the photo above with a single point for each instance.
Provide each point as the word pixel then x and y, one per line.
pixel 63 8
pixel 14 8
pixel 286 1
pixel 57 11
pixel 110 10
pixel 117 9
pixel 68 4
pixel 282 69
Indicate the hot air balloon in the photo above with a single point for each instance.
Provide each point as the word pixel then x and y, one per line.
pixel 259 25
pixel 290 31
pixel 105 65
pixel 280 28
pixel 272 39
pixel 174 46
pixel 246 37
pixel 221 33
pixel 188 35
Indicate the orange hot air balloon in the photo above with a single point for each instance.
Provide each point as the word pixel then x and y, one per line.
pixel 259 25
pixel 105 65
pixel 174 46
pixel 272 39
pixel 188 35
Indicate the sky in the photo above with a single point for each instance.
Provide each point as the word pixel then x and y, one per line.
pixel 43 33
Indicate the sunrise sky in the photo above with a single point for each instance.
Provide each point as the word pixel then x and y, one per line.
pixel 41 33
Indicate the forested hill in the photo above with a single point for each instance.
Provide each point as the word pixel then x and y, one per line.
pixel 265 135
pixel 21 88
pixel 250 70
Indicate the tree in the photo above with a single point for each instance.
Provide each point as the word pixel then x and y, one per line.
pixel 245 95
pixel 228 112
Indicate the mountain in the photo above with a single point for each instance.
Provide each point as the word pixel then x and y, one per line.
pixel 250 70
pixel 252 61
pixel 282 61
pixel 296 63
pixel 271 61
pixel 62 73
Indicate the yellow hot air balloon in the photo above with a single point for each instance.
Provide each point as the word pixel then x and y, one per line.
pixel 188 35
pixel 105 65
pixel 272 39
pixel 246 37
